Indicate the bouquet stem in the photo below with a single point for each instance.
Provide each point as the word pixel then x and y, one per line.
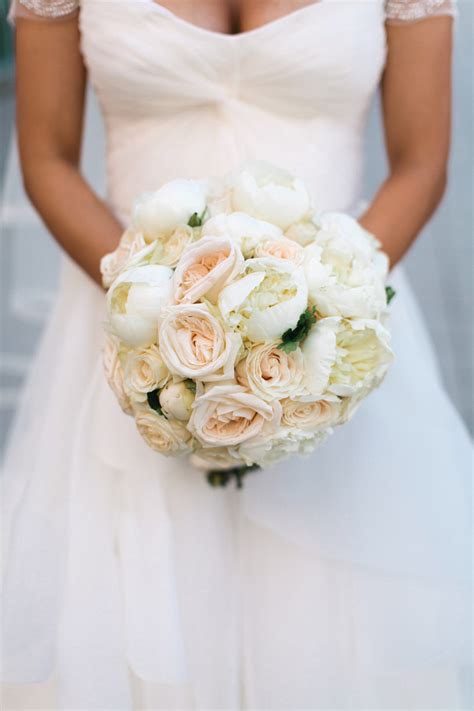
pixel 217 477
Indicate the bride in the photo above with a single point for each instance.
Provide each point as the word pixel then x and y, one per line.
pixel 334 582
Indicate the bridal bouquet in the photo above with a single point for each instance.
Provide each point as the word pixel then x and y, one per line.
pixel 242 324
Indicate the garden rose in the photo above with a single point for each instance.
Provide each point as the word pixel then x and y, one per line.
pixel 268 193
pixel 144 371
pixel 280 248
pixel 157 214
pixel 135 301
pixel 227 415
pixel 168 437
pixel 310 415
pixel 194 344
pixel 271 373
pixel 267 300
pixel 114 372
pixel 206 268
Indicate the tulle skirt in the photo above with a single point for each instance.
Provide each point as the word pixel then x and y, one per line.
pixel 338 581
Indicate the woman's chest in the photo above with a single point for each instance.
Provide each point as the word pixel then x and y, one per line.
pixel 325 57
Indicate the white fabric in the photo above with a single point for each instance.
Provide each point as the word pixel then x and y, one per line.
pixel 337 581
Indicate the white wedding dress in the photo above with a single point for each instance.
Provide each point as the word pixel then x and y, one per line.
pixel 339 581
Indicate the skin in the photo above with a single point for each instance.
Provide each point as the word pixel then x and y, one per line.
pixel 51 78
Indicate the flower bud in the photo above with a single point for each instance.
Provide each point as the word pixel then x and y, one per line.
pixel 176 400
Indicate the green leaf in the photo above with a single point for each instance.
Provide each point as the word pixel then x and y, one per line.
pixel 289 346
pixel 390 293
pixel 191 385
pixel 196 220
pixel 153 399
pixel 292 338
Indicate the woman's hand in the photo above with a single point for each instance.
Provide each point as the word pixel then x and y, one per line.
pixel 416 96
pixel 51 80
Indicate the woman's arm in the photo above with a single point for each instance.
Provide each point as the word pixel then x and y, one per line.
pixel 416 96
pixel 50 104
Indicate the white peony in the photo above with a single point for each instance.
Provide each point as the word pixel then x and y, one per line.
pixel 169 250
pixel 135 301
pixel 266 301
pixel 168 437
pixel 194 344
pixel 227 415
pixel 205 268
pixel 144 371
pixel 271 373
pixel 112 264
pixel 246 231
pixel 344 269
pixel 176 400
pixel 220 458
pixel 268 193
pixel 288 441
pixel 157 214
pixel 304 231
pixel 343 357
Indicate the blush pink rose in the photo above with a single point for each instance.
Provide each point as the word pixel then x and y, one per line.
pixel 271 373
pixel 281 248
pixel 227 415
pixel 205 268
pixel 194 344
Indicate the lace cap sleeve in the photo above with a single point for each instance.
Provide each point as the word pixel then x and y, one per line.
pixel 402 11
pixel 42 9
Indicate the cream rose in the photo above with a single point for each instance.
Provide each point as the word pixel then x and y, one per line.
pixel 135 301
pixel 266 301
pixel 206 268
pixel 343 357
pixel 169 437
pixel 345 270
pixel 227 415
pixel 176 400
pixel 157 214
pixel 144 371
pixel 271 373
pixel 245 231
pixel 268 193
pixel 114 372
pixel 112 264
pixel 194 344
pixel 281 248
pixel 319 414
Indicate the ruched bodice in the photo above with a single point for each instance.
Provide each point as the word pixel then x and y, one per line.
pixel 182 100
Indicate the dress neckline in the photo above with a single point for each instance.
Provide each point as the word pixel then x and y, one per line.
pixel 261 29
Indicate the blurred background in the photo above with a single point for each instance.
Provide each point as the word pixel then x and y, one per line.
pixel 439 265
